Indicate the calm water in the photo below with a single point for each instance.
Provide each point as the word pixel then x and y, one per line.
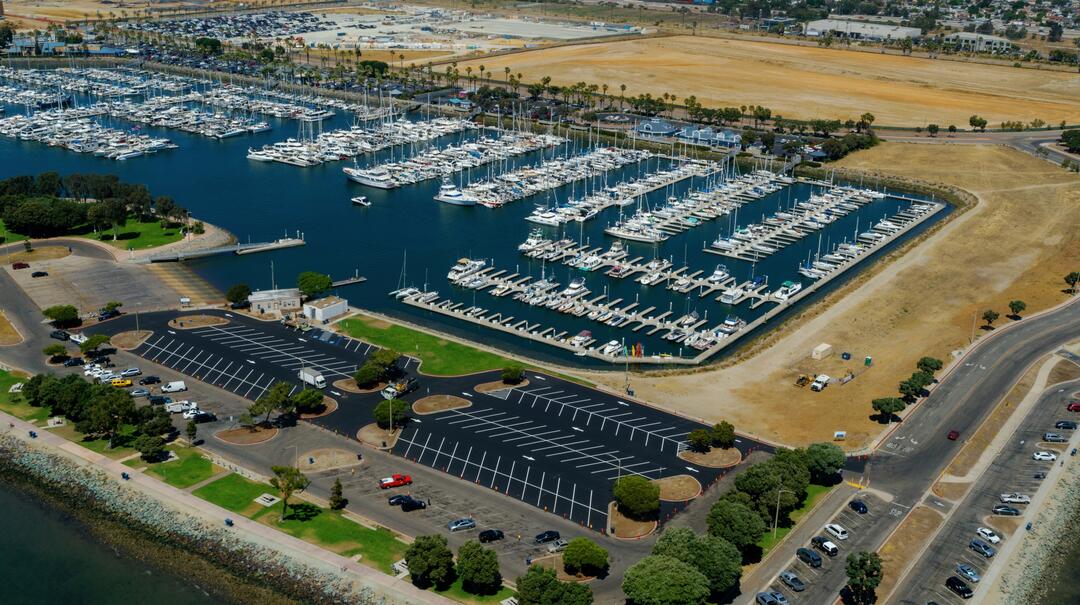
pixel 48 559
pixel 262 201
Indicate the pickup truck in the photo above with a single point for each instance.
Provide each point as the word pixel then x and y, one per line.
pixel 820 382
pixel 399 388
pixel 178 407
pixel 1015 498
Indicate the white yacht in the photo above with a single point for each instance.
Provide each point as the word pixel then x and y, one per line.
pixel 787 290
pixel 378 177
pixel 464 268
pixel 719 275
pixel 449 193
pixel 361 200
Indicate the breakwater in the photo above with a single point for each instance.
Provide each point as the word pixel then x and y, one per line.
pixel 260 574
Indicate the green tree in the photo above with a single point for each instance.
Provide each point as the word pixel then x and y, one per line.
pixel 1017 307
pixel 636 496
pixel 663 580
pixel 368 375
pixel 430 562
pixel 1071 139
pixel 247 420
pixel 308 401
pixel 887 407
pixel 929 364
pixel 700 440
pixel 238 293
pixel 990 316
pixel 864 574
pixel 93 343
pixel 540 586
pixel 61 315
pixel 909 390
pixel 192 431
pixel 478 568
pixel 824 461
pixel 723 434
pixel 55 351
pixel 313 284
pixel 388 407
pixel 111 306
pixel 150 447
pixel 582 555
pixel 977 123
pixel 513 374
pixel 716 558
pixel 288 480
pixel 337 498
pixel 735 522
pixel 276 398
pixel 105 411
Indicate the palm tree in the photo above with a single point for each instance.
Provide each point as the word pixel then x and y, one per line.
pixel 622 94
pixel 506 71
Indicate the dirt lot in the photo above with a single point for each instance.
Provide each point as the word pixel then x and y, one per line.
pixel 1017 243
pixel 714 458
pixel 678 488
pixel 194 322
pixel 35 255
pixel 439 403
pixel 243 436
pixel 807 82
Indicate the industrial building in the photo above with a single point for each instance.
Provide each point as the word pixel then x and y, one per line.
pixel 860 30
pixel 980 43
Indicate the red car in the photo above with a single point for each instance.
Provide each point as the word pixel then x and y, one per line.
pixel 954 435
pixel 395 481
pixel 1074 406
pixel 20 265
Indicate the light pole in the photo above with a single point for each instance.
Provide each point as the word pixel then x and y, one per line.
pixel 296 455
pixel 776 517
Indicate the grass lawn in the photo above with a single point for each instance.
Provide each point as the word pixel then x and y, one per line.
pixel 120 448
pixel 191 468
pixel 235 493
pixel 13 403
pixel 814 493
pixel 457 593
pixel 137 235
pixel 6 237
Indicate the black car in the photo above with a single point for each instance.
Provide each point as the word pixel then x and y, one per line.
pixel 1008 511
pixel 397 499
pixel 240 305
pixel 39 274
pixel 547 536
pixel 59 335
pixel 108 315
pixel 858 506
pixel 412 504
pixel 203 416
pixel 158 400
pixel 490 535
pixel 960 587
pixel 74 361
pixel 1068 425
pixel 145 380
pixel 1040 475
pixel 809 557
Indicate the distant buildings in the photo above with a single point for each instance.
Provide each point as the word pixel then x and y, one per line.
pixel 860 30
pixel 980 43
pixel 275 301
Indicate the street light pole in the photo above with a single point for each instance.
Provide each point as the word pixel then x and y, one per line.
pixel 776 517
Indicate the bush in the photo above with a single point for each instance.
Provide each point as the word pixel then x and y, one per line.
pixel 385 408
pixel 700 440
pixel 723 434
pixel 637 497
pixel 368 375
pixel 663 580
pixel 582 555
pixel 513 374
pixel 540 586
pixel 478 568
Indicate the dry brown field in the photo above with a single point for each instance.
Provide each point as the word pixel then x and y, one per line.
pixel 1018 242
pixel 807 82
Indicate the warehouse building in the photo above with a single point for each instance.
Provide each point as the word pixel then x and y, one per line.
pixel 860 30
pixel 980 43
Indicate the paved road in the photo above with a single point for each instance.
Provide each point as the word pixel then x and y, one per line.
pixel 1012 471
pixel 905 466
pixel 1026 141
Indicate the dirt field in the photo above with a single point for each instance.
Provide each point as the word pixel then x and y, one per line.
pixel 37 254
pixel 194 322
pixel 714 458
pixel 498 385
pixel 807 82
pixel 678 488
pixel 130 340
pixel 243 436
pixel 439 403
pixel 1018 243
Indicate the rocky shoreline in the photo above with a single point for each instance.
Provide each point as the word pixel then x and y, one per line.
pixel 239 570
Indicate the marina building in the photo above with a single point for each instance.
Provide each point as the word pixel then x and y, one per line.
pixel 325 309
pixel 980 43
pixel 275 301
pixel 860 30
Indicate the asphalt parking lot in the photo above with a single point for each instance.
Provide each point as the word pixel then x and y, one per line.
pixel 89 283
pixel 1013 470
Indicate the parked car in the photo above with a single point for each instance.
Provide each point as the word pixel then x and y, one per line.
pixel 824 545
pixel 982 548
pixel 793 581
pixel 1007 511
pixel 953 435
pixel 547 536
pixel 147 380
pixel 411 504
pixel 159 400
pixel 37 274
pixel 1068 425
pixel 836 531
pixel 490 535
pixel 140 393
pixel 557 546
pixel 1074 406
pixel 1054 438
pixel 1040 475
pixel 396 480
pixel 958 586
pixel 988 534
pixel 809 557
pixel 1014 498
pixel 175 386
pixel 968 573
pixel 203 416
pixel 858 506
pixel 104 315
pixel 59 335
pixel 20 265
pixel 128 373
pixel 1044 456
pixel 74 361
pixel 397 499
pixel 461 524
pixel 765 598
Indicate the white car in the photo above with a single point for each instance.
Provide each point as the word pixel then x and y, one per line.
pixel 988 534
pixel 90 369
pixel 1044 456
pixel 192 413
pixel 836 531
pixel 1015 498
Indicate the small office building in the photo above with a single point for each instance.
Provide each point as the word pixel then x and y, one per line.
pixel 275 301
pixel 325 309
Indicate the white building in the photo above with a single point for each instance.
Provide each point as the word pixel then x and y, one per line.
pixel 325 309
pixel 860 30
pixel 980 43
pixel 275 301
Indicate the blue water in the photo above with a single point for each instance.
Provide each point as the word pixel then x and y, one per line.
pixel 262 201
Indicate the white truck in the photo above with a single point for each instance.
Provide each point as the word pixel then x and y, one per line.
pixel 174 387
pixel 178 407
pixel 312 377
pixel 820 382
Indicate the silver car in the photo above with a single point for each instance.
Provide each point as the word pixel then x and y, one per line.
pixel 461 525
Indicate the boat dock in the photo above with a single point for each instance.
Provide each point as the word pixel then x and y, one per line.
pixel 238 249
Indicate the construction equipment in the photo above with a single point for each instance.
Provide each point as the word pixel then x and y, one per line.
pixel 802 380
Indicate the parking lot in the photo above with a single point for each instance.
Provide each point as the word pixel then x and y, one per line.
pixel 824 583
pixel 1012 471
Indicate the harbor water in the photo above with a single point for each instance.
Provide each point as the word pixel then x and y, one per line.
pixel 406 238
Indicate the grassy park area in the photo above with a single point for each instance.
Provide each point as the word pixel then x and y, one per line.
pixel 814 494
pixel 13 404
pixel 457 592
pixel 120 449
pixel 137 235
pixel 6 237
pixel 189 468
pixel 234 493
